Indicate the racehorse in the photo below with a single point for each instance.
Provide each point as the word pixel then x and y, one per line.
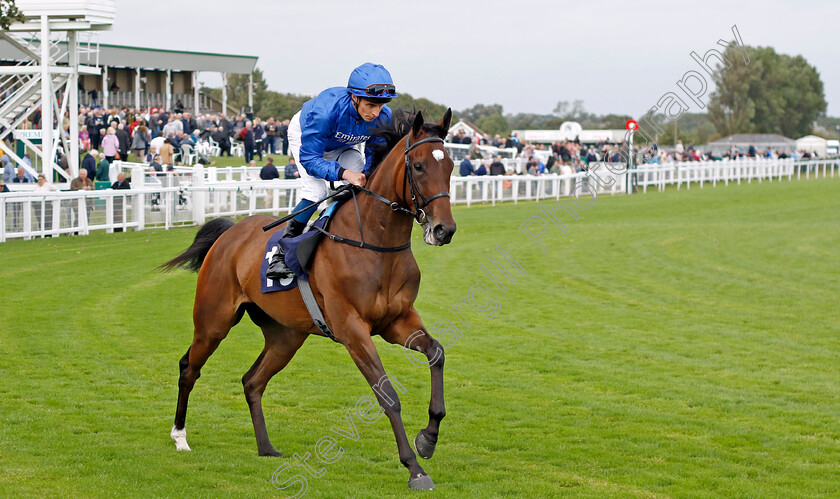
pixel 362 292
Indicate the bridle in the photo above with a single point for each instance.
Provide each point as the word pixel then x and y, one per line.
pixel 409 183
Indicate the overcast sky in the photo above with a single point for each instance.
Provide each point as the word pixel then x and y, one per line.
pixel 618 57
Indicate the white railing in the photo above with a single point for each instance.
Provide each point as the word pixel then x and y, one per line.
pixel 702 172
pixel 189 196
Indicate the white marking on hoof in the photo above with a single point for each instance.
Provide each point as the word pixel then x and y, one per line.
pixel 180 438
pixel 437 154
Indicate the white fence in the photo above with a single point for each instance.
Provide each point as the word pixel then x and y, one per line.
pixel 189 196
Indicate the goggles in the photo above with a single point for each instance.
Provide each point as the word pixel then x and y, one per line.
pixel 377 89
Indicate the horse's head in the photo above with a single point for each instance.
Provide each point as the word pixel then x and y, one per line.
pixel 426 183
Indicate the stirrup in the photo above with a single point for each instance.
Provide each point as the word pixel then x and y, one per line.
pixel 277 268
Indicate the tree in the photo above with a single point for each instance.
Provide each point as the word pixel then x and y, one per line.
pixel 570 112
pixel 238 90
pixel 9 14
pixel 478 111
pixel 494 124
pixel 774 93
pixel 432 111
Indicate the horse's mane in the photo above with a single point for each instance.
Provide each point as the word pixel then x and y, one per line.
pixel 401 123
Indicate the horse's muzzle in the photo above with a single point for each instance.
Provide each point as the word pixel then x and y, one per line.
pixel 443 233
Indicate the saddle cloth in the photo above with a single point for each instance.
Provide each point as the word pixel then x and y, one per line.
pixel 298 250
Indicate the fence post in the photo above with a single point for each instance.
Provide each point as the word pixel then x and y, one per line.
pixel 138 180
pixel 109 213
pixel 199 195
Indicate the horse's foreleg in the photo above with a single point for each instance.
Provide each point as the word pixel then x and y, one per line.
pixel 364 354
pixel 280 346
pixel 408 331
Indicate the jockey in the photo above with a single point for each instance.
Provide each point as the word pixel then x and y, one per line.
pixel 326 138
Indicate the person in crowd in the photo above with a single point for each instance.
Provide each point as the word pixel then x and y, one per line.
pixel 84 139
pixel 167 152
pixel 124 140
pixel 270 141
pixel 466 167
pixel 173 126
pixel 221 138
pixel 22 177
pixel 140 141
pixel 121 183
pixel 89 163
pixel 481 170
pixel 155 166
pixel 259 136
pixel 189 123
pixel 82 182
pixel 246 135
pixel 460 137
pixel 156 143
pixel 103 170
pixel 110 145
pixel 497 167
pixel 284 136
pixel 292 170
pixel 269 171
pixel 44 186
pixel 92 129
pixel 8 168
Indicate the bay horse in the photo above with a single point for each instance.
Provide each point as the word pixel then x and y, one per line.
pixel 361 292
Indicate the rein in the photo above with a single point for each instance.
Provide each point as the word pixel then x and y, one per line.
pixel 408 181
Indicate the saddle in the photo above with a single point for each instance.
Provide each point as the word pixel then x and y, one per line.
pixel 298 250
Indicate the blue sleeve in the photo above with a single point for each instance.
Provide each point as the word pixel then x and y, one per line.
pixel 315 132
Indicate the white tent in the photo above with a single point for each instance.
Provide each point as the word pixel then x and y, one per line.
pixel 812 143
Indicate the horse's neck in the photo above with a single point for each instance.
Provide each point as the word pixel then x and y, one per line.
pixel 382 225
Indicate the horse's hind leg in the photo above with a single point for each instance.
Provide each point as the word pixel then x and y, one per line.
pixel 409 332
pixel 212 323
pixel 281 343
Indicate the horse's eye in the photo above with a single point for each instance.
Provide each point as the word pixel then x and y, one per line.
pixel 418 167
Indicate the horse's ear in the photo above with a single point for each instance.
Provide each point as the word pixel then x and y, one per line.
pixel 418 123
pixel 446 120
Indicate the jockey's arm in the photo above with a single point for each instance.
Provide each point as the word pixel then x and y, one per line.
pixel 315 132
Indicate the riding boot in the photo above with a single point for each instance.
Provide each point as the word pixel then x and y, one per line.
pixel 277 269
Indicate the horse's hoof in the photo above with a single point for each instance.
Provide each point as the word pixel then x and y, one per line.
pixel 424 448
pixel 421 482
pixel 272 453
pixel 180 438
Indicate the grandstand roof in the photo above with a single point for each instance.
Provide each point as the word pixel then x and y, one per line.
pixel 150 58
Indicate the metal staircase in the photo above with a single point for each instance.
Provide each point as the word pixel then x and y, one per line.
pixel 47 78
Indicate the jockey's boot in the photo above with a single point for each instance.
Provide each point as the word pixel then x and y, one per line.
pixel 277 269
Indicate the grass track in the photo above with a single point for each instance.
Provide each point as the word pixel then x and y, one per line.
pixel 669 344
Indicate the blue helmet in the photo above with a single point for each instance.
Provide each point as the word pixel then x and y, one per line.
pixel 371 81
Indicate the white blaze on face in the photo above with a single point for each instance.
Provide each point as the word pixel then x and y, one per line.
pixel 437 154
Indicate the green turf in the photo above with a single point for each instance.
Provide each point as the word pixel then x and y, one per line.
pixel 669 344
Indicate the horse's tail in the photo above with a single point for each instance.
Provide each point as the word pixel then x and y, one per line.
pixel 193 257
